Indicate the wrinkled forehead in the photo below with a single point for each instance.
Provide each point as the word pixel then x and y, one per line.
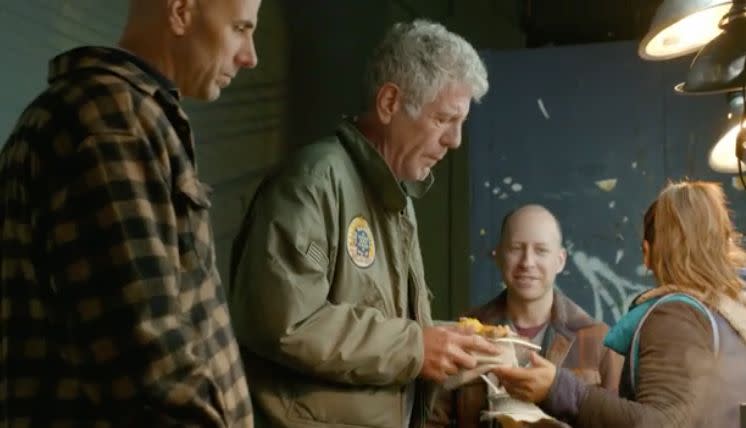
pixel 453 98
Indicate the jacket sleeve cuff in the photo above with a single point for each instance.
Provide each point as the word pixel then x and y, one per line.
pixel 565 396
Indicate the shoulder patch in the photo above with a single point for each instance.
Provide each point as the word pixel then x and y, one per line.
pixel 360 244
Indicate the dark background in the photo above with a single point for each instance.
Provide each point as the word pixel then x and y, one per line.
pixel 607 109
pixel 575 117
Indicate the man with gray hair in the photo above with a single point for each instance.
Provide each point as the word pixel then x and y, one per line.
pixel 327 294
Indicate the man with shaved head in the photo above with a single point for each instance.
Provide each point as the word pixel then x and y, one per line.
pixel 530 255
pixel 113 313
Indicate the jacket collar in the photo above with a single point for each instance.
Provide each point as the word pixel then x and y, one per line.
pixel 565 320
pixel 136 72
pixel 392 193
pixel 566 315
pixel 115 61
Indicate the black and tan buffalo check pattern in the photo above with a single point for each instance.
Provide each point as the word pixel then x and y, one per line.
pixel 112 310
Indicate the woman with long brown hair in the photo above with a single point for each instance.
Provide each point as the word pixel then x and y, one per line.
pixel 684 340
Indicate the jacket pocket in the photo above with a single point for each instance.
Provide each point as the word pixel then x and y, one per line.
pixel 347 406
pixel 370 288
pixel 195 234
pixel 372 296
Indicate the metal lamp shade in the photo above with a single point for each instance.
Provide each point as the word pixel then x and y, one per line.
pixel 681 27
pixel 719 66
pixel 723 155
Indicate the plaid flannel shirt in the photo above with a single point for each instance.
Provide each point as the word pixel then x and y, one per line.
pixel 112 309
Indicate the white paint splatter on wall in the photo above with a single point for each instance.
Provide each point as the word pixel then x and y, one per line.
pixel 642 270
pixel 569 246
pixel 543 109
pixel 496 191
pixel 517 187
pixel 612 204
pixel 607 185
pixel 504 196
pixel 611 292
pixel 486 184
pixel 508 180
pixel 634 165
pixel 619 255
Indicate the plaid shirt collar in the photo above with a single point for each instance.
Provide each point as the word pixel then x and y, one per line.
pixel 117 61
pixel 135 71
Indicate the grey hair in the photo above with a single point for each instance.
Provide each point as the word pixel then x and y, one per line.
pixel 421 58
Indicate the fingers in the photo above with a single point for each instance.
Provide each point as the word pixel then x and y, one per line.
pixel 538 361
pixel 461 358
pixel 455 353
pixel 512 374
pixel 443 354
pixel 460 328
pixel 438 376
pixel 476 343
pixel 465 346
pixel 448 350
pixel 449 368
pixel 530 383
pixel 468 329
pixel 517 386
pixel 443 369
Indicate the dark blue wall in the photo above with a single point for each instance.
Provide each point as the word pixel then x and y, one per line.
pixel 557 121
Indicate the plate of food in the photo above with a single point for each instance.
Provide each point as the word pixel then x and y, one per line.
pixel 514 349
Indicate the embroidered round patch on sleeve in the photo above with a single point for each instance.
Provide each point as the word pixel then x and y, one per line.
pixel 360 244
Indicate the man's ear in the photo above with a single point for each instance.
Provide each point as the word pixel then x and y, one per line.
pixel 180 15
pixel 388 102
pixel 562 260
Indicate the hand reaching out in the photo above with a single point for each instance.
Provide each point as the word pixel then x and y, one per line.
pixel 530 384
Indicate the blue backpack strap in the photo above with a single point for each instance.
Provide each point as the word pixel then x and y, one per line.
pixel 676 297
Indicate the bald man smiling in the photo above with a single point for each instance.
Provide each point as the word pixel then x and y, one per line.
pixel 530 255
